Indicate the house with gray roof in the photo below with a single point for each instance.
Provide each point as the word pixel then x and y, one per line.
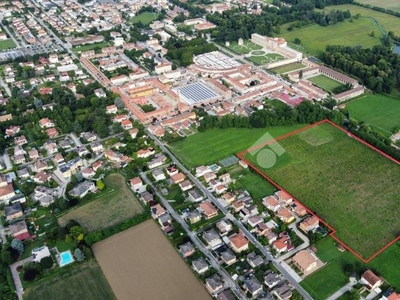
pixel 200 265
pixel 82 189
pixel 271 279
pixel 186 249
pixel 254 259
pixel 214 284
pixel 252 285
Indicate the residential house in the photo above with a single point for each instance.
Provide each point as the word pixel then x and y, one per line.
pixel 23 173
pixel 193 217
pixel 19 230
pixel 282 292
pixel 299 209
pixel 254 259
pixel 137 185
pixel 285 215
pixel 212 238
pixel 271 279
pixel 390 295
pixel 39 166
pixel 238 242
pixel 111 109
pixel 209 176
pixel 6 190
pixel 171 171
pixel 46 123
pixel 13 211
pixel 97 147
pixel 371 280
pixel 305 260
pixel 82 189
pixel 238 205
pixel 88 173
pixel 185 185
pixel 52 133
pixel 133 132
pixel 283 244
pixel 208 209
pixel 33 154
pixel 271 203
pixel 200 265
pixel 252 285
pixel 214 284
pixel 195 195
pixel 187 249
pixel 157 161
pixel 201 170
pixel 309 224
pixel 42 177
pixel 96 165
pixel 228 197
pixel 254 221
pixel 144 153
pixel 20 140
pixel 89 136
pixel 39 253
pixel 82 151
pixel 220 189
pixel 179 177
pixel 156 211
pixel 12 130
pixel 224 226
pixel 44 195
pixel 126 124
pixel 225 178
pixel 165 222
pixel 158 175
pixel 146 197
pixel 270 236
pixel 228 257
pixel 19 159
pixel 50 147
pixel 284 197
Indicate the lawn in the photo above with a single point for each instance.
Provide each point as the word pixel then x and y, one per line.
pixel 7 44
pixel 387 4
pixel 350 186
pixel 288 68
pixel 315 38
pixel 145 17
pixel 215 144
pixel 89 47
pixel 256 185
pixel 325 83
pixel 378 111
pixel 83 282
pixel 245 48
pixel 265 59
pixel 113 208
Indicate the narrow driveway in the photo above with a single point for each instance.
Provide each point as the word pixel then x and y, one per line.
pixel 17 281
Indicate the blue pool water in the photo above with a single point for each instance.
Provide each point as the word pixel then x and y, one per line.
pixel 66 258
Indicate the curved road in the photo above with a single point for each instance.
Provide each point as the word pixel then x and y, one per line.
pixel 249 236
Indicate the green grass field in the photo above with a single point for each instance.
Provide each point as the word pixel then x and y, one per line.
pixel 350 186
pixel 257 186
pixel 216 144
pixel 89 47
pixel 387 4
pixel 245 48
pixel 83 282
pixel 288 68
pixel 7 44
pixel 325 82
pixel 378 111
pixel 388 22
pixel 265 59
pixel 145 18
pixel 315 38
pixel 112 208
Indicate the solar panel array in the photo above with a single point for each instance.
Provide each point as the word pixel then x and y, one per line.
pixel 197 92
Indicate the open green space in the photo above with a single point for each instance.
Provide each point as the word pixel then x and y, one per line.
pixel 90 47
pixel 325 82
pixel 315 38
pixel 387 4
pixel 245 48
pixel 85 281
pixel 114 207
pixel 215 144
pixel 352 187
pixel 388 22
pixel 288 68
pixel 7 44
pixel 378 111
pixel 145 17
pixel 257 186
pixel 265 59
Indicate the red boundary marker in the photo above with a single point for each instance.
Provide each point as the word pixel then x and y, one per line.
pixel 333 231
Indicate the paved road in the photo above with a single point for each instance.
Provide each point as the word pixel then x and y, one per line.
pixel 17 281
pixel 249 236
pixel 7 160
pixel 227 278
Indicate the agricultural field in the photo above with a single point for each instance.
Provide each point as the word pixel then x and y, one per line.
pixel 145 17
pixel 288 68
pixel 315 38
pixel 262 59
pixel 85 281
pixel 340 179
pixel 325 82
pixel 114 207
pixel 216 144
pixel 246 48
pixel 89 47
pixel 387 4
pixel 378 111
pixel 138 265
pixel 7 44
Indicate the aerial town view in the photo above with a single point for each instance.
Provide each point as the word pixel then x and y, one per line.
pixel 199 149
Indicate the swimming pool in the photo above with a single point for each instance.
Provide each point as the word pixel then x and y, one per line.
pixel 65 258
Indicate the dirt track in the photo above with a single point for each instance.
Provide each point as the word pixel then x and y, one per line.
pixel 140 263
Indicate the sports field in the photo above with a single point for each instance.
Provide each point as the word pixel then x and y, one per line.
pixel 325 82
pixel 288 68
pixel 350 186
pixel 378 111
pixel 86 281
pixel 387 4
pixel 140 263
pixel 7 44
pixel 112 208
pixel 145 18
pixel 315 38
pixel 265 59
pixel 245 48
pixel 216 144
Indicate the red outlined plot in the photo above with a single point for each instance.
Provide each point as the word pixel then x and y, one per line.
pixel 333 231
